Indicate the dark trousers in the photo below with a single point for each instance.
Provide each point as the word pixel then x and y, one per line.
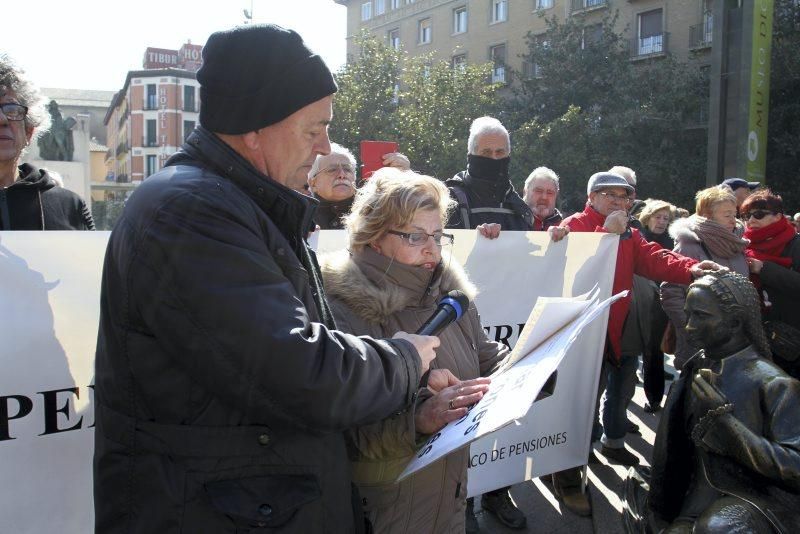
pixel 653 358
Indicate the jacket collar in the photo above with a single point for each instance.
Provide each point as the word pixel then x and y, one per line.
pixel 292 212
pixel 374 287
pixel 594 217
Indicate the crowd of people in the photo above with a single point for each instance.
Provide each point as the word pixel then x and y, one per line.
pixel 243 382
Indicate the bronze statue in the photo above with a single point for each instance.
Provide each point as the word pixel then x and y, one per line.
pixel 56 144
pixel 727 451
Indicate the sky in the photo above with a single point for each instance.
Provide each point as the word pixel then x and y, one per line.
pixel 92 44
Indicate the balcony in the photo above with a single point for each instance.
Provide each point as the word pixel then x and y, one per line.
pixel 499 74
pixel 151 141
pixel 122 148
pixel 651 46
pixel 123 118
pixel 150 103
pixel 700 35
pixel 579 6
pixel 123 179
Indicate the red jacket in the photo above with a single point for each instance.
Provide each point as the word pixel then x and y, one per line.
pixel 634 256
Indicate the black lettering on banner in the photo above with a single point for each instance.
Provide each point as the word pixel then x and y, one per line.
pixel 504 332
pixel 51 410
pixel 429 445
pixel 24 407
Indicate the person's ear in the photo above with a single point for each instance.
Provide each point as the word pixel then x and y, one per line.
pixel 28 133
pixel 251 140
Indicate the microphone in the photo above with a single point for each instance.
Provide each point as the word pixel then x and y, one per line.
pixel 450 308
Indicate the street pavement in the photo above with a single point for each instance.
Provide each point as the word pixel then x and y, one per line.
pixel 606 486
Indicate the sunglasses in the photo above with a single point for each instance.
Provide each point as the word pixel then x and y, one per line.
pixel 758 214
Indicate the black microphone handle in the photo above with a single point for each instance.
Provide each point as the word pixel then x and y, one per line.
pixel 438 321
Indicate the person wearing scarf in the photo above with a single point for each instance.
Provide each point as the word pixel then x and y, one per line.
pixel 773 257
pixel 484 192
pixel 709 234
pixel 655 216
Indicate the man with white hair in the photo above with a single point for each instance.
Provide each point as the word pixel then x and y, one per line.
pixel 332 181
pixel 485 195
pixel 488 201
pixel 540 194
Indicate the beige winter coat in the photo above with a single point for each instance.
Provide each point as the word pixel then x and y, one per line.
pixel 372 295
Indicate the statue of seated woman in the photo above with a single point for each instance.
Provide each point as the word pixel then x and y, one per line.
pixel 727 452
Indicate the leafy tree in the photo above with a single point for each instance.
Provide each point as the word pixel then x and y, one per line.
pixel 589 107
pixel 424 105
pixel 783 146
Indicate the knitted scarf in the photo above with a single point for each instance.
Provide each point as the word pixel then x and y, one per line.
pixel 720 241
pixel 768 243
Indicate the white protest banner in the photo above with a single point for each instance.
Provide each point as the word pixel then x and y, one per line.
pixel 49 301
pixel 511 272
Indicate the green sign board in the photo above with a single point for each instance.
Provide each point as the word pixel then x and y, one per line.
pixel 759 90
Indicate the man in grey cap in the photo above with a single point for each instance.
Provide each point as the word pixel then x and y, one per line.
pixel 606 211
pixel 222 386
pixel 741 189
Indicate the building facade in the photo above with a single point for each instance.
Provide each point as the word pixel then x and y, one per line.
pixel 153 113
pixel 477 31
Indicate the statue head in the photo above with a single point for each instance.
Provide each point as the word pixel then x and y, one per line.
pixel 723 315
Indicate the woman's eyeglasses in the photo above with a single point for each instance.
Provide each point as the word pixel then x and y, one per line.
pixel 417 239
pixel 757 214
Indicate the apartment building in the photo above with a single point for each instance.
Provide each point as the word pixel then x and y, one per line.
pixel 476 31
pixel 156 109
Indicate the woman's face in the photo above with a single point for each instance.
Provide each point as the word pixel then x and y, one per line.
pixel 767 219
pixel 659 221
pixel 724 214
pixel 426 255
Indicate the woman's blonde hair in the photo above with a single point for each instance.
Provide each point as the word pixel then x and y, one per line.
pixel 390 199
pixel 651 207
pixel 706 199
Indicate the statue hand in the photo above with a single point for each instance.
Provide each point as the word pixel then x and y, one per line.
pixel 705 396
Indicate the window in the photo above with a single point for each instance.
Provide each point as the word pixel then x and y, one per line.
pixel 152 165
pixel 499 10
pixel 151 137
pixel 592 36
pixel 366 11
pixel 497 54
pixel 544 4
pixel 395 4
pixel 460 19
pixel 650 33
pixel 188 98
pixel 380 7
pixel 459 62
pixel 708 20
pixel 425 31
pixel 394 38
pixel 188 128
pixel 150 98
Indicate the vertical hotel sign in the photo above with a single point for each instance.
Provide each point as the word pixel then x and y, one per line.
pixel 759 89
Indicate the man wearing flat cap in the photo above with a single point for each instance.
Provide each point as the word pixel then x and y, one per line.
pixel 222 385
pixel 610 195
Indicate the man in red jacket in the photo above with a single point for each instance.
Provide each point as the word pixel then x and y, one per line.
pixel 606 211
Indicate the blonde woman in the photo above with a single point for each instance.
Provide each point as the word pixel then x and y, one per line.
pixel 655 218
pixel 709 234
pixel 391 279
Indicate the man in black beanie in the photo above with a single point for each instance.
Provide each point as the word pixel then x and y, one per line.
pixel 222 386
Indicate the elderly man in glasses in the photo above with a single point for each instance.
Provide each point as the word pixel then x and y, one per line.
pixel 332 181
pixel 610 196
pixel 30 199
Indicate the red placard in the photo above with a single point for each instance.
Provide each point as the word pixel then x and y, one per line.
pixel 372 153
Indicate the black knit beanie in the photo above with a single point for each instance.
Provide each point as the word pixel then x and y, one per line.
pixel 254 76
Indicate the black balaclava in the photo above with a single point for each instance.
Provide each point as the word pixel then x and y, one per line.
pixel 488 177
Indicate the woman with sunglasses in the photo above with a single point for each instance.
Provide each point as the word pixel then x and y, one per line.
pixel 773 257
pixel 391 279
pixel 709 234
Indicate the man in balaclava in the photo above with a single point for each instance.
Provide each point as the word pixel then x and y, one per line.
pixel 486 198
pixel 484 193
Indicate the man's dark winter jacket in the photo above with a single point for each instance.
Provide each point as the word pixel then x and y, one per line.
pixel 221 387
pixel 36 202
pixel 484 201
